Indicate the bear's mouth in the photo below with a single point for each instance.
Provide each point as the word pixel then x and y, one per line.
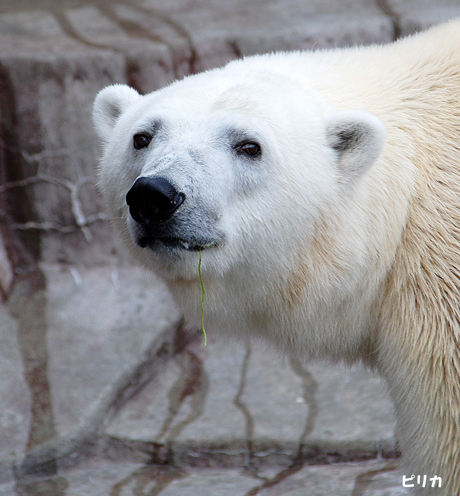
pixel 173 243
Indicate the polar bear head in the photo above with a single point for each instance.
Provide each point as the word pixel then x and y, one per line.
pixel 235 162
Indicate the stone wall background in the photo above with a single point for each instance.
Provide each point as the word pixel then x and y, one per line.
pixel 83 335
pixel 56 55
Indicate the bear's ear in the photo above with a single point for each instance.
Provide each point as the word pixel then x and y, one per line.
pixel 109 104
pixel 358 137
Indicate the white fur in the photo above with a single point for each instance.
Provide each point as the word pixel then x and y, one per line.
pixel 109 105
pixel 341 240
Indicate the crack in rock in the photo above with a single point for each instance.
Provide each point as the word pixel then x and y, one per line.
pixel 82 221
pixel 386 8
pixel 133 30
pixel 192 385
pixel 249 421
pixel 149 480
pixel 310 387
pixel 69 448
pixel 364 480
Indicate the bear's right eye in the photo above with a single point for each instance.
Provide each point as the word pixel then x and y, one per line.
pixel 250 149
pixel 141 141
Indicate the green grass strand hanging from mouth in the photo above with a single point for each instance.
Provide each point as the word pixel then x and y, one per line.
pixel 202 301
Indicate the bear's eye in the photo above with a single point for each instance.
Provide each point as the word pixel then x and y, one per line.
pixel 141 141
pixel 250 149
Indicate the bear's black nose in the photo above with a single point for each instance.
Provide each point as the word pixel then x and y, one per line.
pixel 153 200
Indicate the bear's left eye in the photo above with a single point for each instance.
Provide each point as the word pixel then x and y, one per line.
pixel 141 141
pixel 251 149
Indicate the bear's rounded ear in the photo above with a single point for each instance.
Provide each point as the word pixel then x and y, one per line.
pixel 358 138
pixel 109 104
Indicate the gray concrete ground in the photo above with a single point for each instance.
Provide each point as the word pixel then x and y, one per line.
pixel 103 390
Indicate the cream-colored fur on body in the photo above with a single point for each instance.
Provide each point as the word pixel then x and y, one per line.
pixel 342 240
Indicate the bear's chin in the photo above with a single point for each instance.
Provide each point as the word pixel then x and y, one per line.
pixel 172 259
pixel 173 245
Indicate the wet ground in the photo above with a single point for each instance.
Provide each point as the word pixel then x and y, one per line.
pixel 105 387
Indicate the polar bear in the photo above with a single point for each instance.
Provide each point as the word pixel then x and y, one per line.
pixel 322 191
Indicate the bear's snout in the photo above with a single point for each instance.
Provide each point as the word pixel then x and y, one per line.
pixel 153 200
